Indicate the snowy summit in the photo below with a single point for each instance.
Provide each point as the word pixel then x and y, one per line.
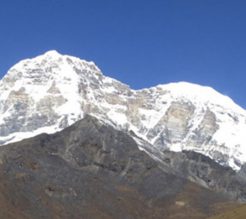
pixel 52 91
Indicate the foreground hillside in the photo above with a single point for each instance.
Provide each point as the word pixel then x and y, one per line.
pixel 90 170
pixel 234 213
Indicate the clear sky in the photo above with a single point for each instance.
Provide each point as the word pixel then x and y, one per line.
pixel 139 42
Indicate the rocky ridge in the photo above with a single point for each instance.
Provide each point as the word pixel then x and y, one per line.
pixel 92 170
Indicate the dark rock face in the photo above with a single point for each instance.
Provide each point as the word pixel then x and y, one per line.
pixel 91 170
pixel 203 171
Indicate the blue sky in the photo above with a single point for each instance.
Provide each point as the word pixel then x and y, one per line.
pixel 139 42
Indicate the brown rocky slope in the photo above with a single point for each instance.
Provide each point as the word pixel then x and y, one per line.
pixel 90 170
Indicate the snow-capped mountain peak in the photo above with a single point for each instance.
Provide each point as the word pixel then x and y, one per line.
pixel 52 91
pixel 52 53
pixel 202 94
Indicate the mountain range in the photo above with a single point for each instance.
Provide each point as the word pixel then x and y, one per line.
pixel 79 144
